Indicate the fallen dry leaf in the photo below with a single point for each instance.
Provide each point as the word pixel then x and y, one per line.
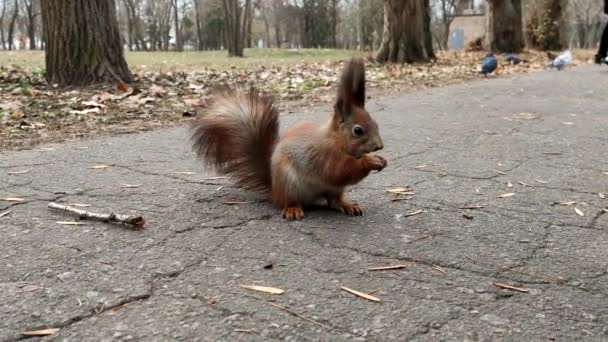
pixel 131 186
pixel 43 332
pixel 360 294
pixel 267 289
pixel 602 196
pixel 480 206
pixel 30 288
pixel 5 213
pixel 506 195
pixel 500 172
pixel 13 199
pixel 542 181
pixel 606 173
pixel 579 212
pixel 386 268
pixel 86 111
pixel 19 172
pixel 440 269
pixel 94 104
pixel 566 202
pixel 249 331
pixel 121 86
pixel 414 213
pixel 526 184
pixel 101 166
pixel 509 185
pixel 400 191
pixel 71 223
pixel 236 202
pixel 79 205
pixel 510 287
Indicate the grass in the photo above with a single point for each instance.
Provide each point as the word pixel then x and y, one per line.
pixel 192 60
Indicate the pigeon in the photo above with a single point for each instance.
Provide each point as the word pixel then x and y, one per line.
pixel 561 60
pixel 488 64
pixel 512 59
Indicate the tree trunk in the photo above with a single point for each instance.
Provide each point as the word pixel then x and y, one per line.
pixel 247 20
pixel 333 26
pixel 2 14
pixel 199 29
pixel 11 26
pixel 31 23
pixel 266 27
pixel 78 52
pixel 232 19
pixel 277 12
pixel 407 32
pixel 129 24
pixel 179 45
pixel 505 27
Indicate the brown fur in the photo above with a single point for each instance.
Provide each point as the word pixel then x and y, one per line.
pixel 238 135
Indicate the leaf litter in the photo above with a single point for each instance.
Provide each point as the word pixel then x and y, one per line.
pixel 45 113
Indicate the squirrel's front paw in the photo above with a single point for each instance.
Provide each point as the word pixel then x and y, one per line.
pixel 293 213
pixel 376 162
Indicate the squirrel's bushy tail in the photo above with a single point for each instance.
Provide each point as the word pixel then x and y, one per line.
pixel 237 135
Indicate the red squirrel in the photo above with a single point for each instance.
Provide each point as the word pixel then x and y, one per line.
pixel 238 135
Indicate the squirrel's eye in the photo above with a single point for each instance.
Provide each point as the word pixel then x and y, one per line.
pixel 358 131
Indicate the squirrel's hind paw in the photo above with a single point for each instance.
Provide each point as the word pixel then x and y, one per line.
pixel 293 213
pixel 346 207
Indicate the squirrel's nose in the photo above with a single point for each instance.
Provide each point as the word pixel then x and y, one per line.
pixel 378 147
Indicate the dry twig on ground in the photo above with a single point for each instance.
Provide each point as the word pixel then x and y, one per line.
pixel 136 221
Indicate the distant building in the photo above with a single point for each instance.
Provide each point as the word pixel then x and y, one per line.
pixel 469 24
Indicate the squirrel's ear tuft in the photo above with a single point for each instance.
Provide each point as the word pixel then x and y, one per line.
pixel 351 91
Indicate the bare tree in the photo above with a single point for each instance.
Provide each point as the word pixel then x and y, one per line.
pixel 505 26
pixel 30 17
pixel 247 23
pixel 407 32
pixel 447 11
pixel 264 9
pixel 197 21
pixel 587 21
pixel 178 35
pixel 236 31
pixel 277 9
pixel 2 14
pixel 78 52
pixel 11 26
pixel 333 22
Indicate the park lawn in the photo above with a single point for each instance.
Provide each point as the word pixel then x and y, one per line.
pixel 165 61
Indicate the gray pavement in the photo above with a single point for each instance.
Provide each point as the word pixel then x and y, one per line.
pixel 178 280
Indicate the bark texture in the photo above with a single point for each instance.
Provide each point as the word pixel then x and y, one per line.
pixel 407 32
pixel 505 26
pixel 83 44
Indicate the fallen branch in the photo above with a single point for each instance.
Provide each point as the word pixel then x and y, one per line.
pixel 136 221
pixel 299 316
